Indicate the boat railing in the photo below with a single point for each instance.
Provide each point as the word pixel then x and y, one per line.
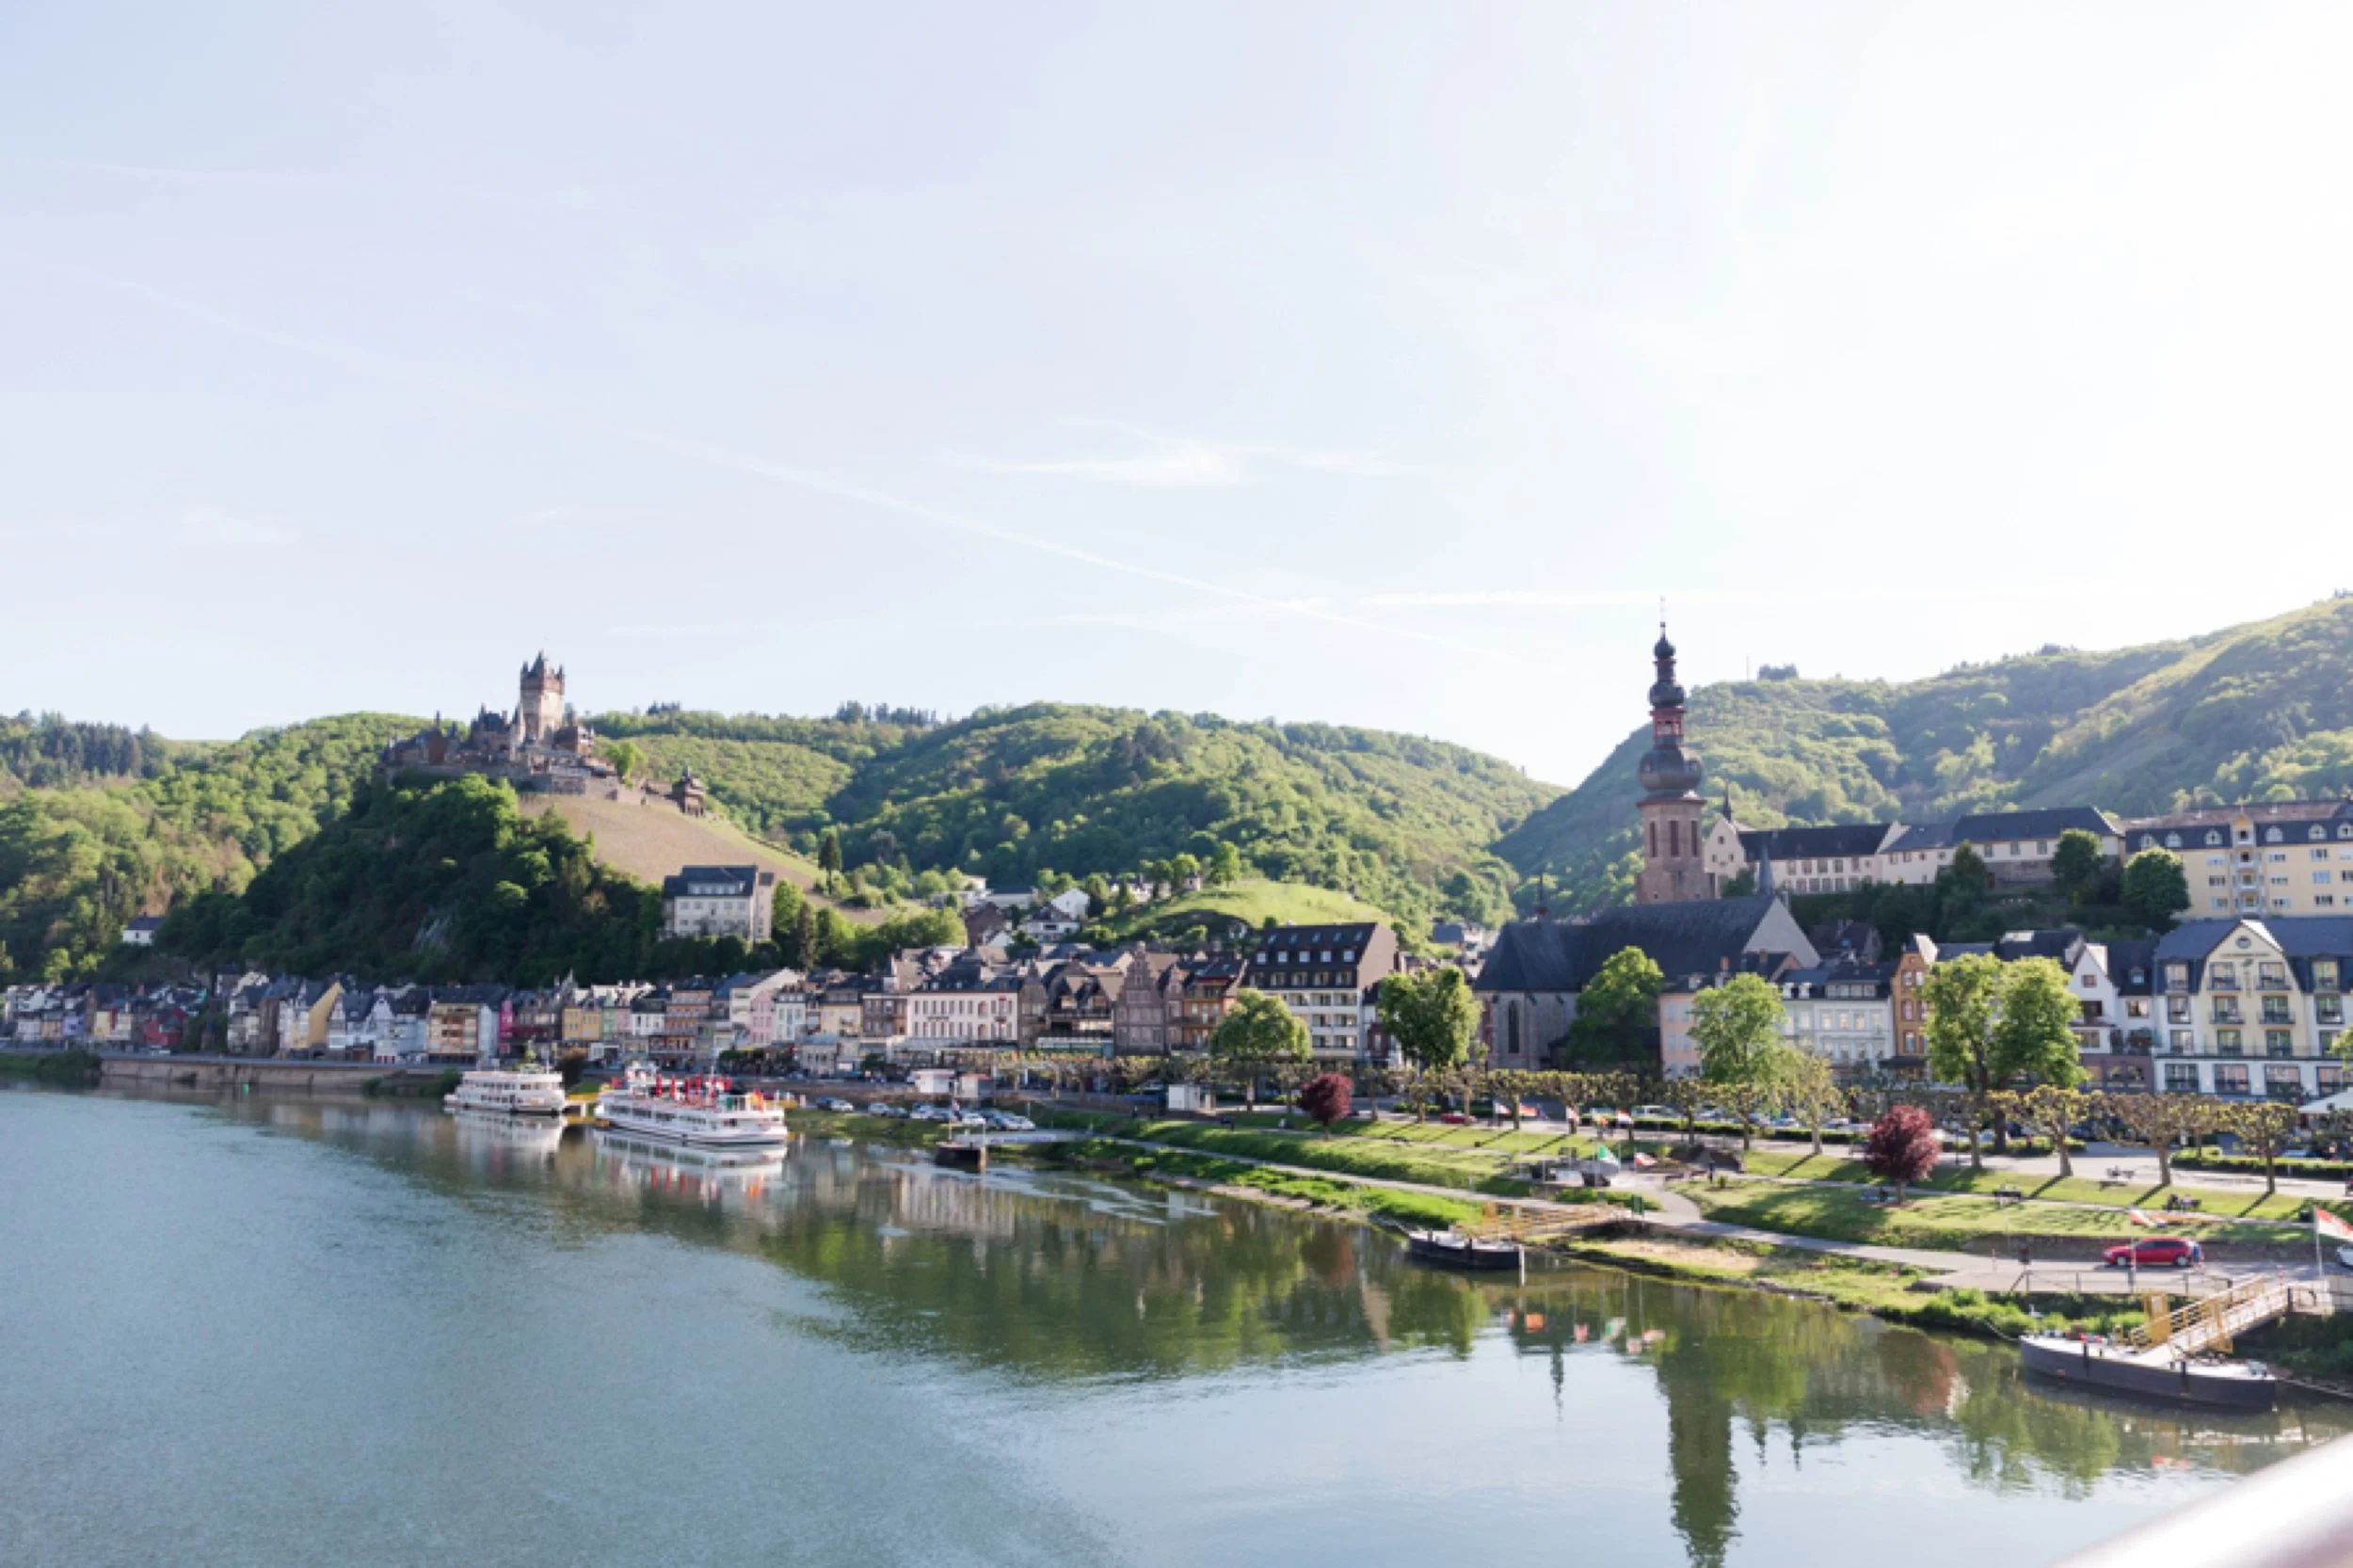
pixel 2295 1514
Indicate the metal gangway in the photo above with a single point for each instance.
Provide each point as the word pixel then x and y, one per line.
pixel 2211 1322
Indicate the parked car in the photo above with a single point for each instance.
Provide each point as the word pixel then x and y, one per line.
pixel 1007 1122
pixel 1454 1118
pixel 831 1103
pixel 2156 1251
pixel 885 1109
pixel 928 1113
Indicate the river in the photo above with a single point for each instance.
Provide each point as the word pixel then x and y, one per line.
pixel 255 1333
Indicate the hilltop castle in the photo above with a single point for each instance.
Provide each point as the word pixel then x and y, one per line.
pixel 540 746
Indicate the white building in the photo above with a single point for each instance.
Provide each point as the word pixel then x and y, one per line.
pixel 719 901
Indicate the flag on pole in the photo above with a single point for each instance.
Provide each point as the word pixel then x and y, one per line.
pixel 1608 1156
pixel 2331 1225
pixel 2139 1218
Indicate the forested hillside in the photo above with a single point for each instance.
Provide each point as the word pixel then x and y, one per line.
pixel 98 822
pixel 2258 711
pixel 157 822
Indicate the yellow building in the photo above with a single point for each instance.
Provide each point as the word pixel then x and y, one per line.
pixel 2268 858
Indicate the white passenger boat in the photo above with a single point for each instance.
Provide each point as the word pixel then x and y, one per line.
pixel 524 1091
pixel 702 1111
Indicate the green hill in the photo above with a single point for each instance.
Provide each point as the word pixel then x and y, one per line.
pixel 98 822
pixel 1405 824
pixel 2257 711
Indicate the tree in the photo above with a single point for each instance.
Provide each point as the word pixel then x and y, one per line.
pixel 1431 1016
pixel 1968 871
pixel 1257 1033
pixel 2265 1126
pixel 1994 1026
pixel 2075 864
pixel 1812 1092
pixel 1736 1026
pixel 1902 1147
pixel 1964 1000
pixel 803 954
pixel 625 757
pixel 2033 1040
pixel 1184 868
pixel 829 856
pixel 2050 1110
pixel 1325 1099
pixel 1226 865
pixel 1617 1012
pixel 2155 887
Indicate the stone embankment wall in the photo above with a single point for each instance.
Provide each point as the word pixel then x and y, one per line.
pixel 258 1073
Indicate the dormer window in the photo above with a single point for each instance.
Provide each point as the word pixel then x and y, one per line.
pixel 2317 832
pixel 2272 836
pixel 2211 838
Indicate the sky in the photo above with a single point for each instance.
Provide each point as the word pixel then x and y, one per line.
pixel 1369 363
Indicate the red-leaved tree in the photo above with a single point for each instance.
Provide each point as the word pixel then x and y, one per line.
pixel 1902 1147
pixel 1326 1098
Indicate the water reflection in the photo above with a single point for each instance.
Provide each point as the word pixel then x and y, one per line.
pixel 1047 1278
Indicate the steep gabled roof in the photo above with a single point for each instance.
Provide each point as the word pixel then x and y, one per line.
pixel 1698 936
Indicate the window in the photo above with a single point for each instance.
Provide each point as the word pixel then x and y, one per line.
pixel 2324 974
pixel 2228 1042
pixel 2330 1078
pixel 2222 975
pixel 2284 1084
pixel 2177 977
pixel 2275 1010
pixel 2182 1042
pixel 2272 977
pixel 2181 1078
pixel 2229 1079
pixel 2279 1042
pixel 2225 1010
pixel 2177 1010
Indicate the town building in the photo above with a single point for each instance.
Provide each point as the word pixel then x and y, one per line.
pixel 720 901
pixel 2265 860
pixel 140 933
pixel 1843 1010
pixel 1321 973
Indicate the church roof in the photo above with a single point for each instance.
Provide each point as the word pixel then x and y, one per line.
pixel 1692 938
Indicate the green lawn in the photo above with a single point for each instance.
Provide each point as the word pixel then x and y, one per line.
pixel 1942 1221
pixel 1472 1170
pixel 2228 1203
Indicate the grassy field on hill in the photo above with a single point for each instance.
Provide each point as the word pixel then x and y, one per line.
pixel 1253 903
pixel 650 842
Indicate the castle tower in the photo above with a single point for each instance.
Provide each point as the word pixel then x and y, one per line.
pixel 540 713
pixel 1673 868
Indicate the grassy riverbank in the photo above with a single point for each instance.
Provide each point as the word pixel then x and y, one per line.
pixel 1885 1291
pixel 57 1066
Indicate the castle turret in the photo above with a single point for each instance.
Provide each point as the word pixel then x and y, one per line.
pixel 1672 866
pixel 540 712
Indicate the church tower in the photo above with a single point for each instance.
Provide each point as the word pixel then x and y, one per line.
pixel 1673 868
pixel 540 713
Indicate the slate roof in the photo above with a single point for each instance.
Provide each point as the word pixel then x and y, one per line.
pixel 1828 840
pixel 1687 938
pixel 2048 822
pixel 724 881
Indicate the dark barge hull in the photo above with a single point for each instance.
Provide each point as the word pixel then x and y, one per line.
pixel 970 1157
pixel 2230 1385
pixel 1453 1253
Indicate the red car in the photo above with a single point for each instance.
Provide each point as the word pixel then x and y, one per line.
pixel 2156 1251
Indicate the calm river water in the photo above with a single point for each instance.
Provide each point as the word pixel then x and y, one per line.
pixel 258 1333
